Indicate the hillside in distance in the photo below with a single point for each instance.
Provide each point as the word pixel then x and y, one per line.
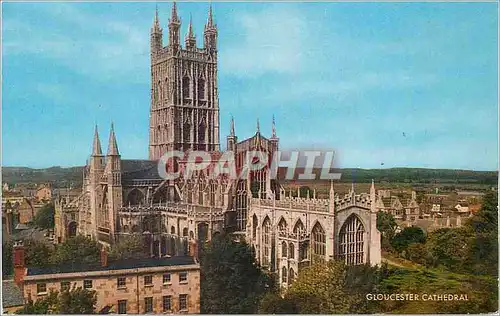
pixel 72 176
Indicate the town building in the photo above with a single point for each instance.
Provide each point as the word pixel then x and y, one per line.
pixel 132 286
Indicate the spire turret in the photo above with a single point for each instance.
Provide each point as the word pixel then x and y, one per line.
pixel 210 34
pixel 174 18
pixel 210 20
pixel 112 145
pixel 174 25
pixel 96 147
pixel 156 34
pixel 232 133
pixel 258 127
pixel 274 128
pixel 331 199
pixel 190 39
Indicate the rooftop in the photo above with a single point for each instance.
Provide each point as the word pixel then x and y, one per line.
pixel 11 294
pixel 113 265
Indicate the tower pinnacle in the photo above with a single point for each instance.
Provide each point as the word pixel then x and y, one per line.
pixel 274 128
pixel 156 23
pixel 258 126
pixel 96 148
pixel 210 21
pixel 174 18
pixel 112 146
pixel 190 37
pixel 232 133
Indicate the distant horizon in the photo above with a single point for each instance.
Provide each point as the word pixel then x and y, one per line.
pixel 81 166
pixel 390 85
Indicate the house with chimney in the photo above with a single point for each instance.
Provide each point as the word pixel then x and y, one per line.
pixel 133 286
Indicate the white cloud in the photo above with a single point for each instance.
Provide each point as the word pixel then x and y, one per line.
pixel 110 55
pixel 280 50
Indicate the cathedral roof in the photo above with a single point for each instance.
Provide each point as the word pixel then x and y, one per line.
pixel 140 170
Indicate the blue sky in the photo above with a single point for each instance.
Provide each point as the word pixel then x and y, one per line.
pixel 403 84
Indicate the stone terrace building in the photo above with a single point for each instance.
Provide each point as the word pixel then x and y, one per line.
pixel 134 286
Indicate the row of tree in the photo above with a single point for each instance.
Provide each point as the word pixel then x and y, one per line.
pixel 73 301
pixel 78 249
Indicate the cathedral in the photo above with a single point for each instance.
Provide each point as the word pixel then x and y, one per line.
pixel 122 197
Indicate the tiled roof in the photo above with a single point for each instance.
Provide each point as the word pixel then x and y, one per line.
pixel 140 170
pixel 113 265
pixel 11 294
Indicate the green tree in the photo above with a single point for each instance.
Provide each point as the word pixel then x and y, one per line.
pixel 38 253
pixel 77 301
pixel 46 305
pixel 387 225
pixel 129 247
pixel 7 258
pixel 482 255
pixel 44 218
pixel 448 247
pixel 78 249
pixel 273 303
pixel 231 281
pixel 74 301
pixel 407 236
pixel 417 252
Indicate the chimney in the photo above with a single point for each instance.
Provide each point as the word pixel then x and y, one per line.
pixel 19 263
pixel 104 257
pixel 193 249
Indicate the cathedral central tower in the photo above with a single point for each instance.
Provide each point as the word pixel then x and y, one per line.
pixel 184 113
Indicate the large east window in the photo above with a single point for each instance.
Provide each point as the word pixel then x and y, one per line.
pixel 351 245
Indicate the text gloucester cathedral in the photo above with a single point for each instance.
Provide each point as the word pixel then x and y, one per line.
pixel 122 197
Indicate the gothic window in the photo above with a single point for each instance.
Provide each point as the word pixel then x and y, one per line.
pixel 155 93
pixel 187 131
pixel 282 225
pixel 185 87
pixel 351 236
pixel 172 230
pixel 213 191
pixel 266 239
pixel 283 274
pixel 165 87
pixel 299 228
pixel 291 276
pixel 283 249
pixel 185 232
pixel 318 241
pixel 241 205
pixel 135 197
pixel 254 225
pixel 158 134
pixel 292 251
pixel 201 89
pixel 201 132
pixel 202 233
pixel 160 91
